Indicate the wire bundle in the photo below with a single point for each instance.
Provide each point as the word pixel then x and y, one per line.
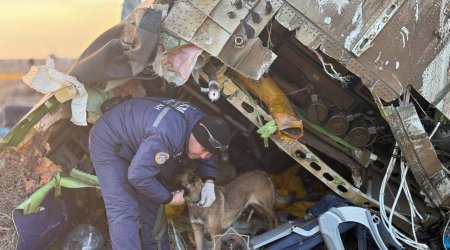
pixel 387 221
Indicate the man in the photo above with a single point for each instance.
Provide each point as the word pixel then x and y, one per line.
pixel 134 146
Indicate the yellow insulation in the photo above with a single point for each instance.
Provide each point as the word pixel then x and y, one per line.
pixel 289 183
pixel 173 211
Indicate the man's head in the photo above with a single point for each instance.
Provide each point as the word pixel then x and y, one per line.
pixel 210 136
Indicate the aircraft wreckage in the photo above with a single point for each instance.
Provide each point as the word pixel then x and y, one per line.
pixel 355 92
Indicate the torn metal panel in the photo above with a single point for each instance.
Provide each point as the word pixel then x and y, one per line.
pixel 385 86
pixel 184 19
pixel 386 90
pixel 257 61
pixel 436 81
pixel 404 42
pixel 259 7
pixel 309 35
pixel 332 49
pixel 410 49
pixel 208 25
pixel 232 55
pixel 219 14
pixel 346 22
pixel 306 32
pixel 252 58
pixel 385 15
pixel 419 152
pixel 211 37
pixel 206 6
pixel 407 36
pixel 170 41
pixel 288 17
pixel 303 155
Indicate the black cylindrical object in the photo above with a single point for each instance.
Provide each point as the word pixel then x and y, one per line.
pixel 360 132
pixel 337 122
pixel 317 110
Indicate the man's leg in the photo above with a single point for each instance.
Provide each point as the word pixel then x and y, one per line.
pixel 148 213
pixel 120 202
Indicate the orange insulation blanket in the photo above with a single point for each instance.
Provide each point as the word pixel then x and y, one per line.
pixel 289 126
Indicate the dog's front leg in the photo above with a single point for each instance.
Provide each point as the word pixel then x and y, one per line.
pixel 215 230
pixel 198 235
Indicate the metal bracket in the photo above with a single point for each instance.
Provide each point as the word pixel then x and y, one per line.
pixel 366 40
pixel 289 17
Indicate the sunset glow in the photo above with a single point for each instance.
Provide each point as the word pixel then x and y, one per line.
pixel 64 28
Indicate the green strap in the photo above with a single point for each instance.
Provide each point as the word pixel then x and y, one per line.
pixel 268 129
pixel 159 228
pixel 77 179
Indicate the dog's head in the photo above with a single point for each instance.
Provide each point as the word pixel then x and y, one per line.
pixel 189 178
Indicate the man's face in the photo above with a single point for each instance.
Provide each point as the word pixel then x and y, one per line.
pixel 195 150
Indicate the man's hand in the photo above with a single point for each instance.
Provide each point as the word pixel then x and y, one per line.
pixel 178 198
pixel 208 195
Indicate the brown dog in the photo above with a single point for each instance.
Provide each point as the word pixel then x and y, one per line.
pixel 252 188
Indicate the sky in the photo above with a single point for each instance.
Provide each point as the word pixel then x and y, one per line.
pixel 64 28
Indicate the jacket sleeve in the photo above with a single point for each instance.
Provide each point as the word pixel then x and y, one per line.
pixel 208 168
pixel 146 164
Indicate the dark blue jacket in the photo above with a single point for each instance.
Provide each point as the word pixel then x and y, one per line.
pixel 148 132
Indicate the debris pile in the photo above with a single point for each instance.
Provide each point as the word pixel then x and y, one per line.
pixel 22 172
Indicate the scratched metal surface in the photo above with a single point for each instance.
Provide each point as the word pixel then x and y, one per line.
pixel 409 49
pixel 343 21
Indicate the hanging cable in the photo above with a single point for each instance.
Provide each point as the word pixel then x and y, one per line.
pixel 420 107
pixel 406 97
pixel 332 72
pixel 269 35
pixel 387 221
pixel 435 129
